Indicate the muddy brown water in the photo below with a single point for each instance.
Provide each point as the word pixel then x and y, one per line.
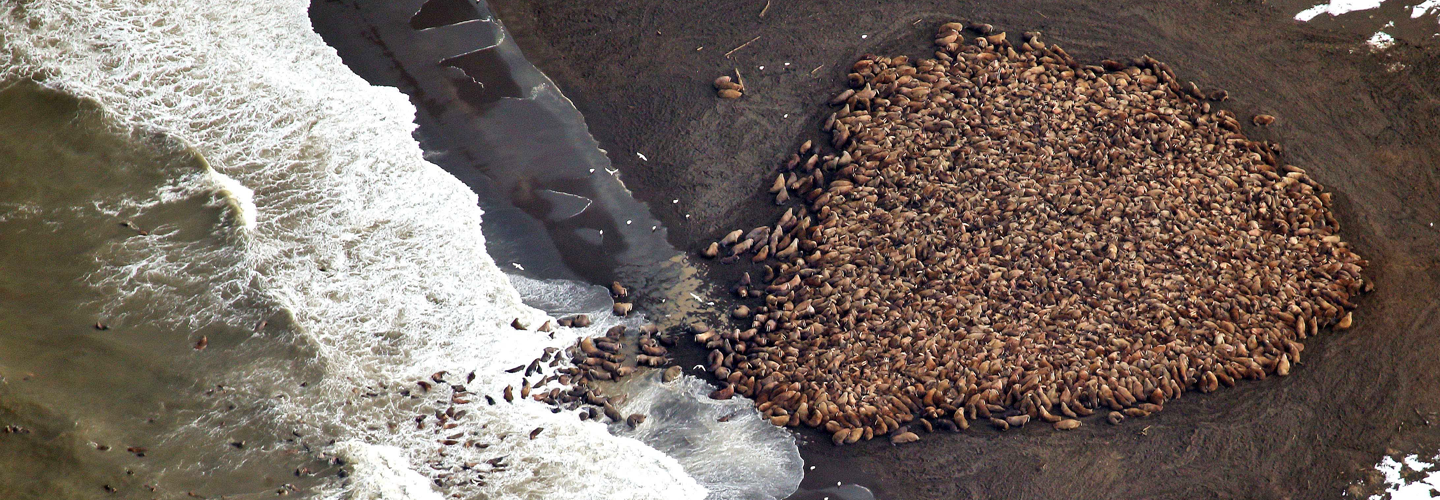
pixel 115 401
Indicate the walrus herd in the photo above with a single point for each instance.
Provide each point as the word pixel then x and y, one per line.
pixel 1004 233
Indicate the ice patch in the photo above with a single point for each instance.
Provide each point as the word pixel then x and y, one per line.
pixel 1337 7
pixel 1381 41
pixel 1423 8
pixel 1408 479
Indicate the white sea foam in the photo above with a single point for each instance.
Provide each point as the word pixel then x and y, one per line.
pixel 240 198
pixel 382 473
pixel 686 424
pixel 741 457
pixel 377 253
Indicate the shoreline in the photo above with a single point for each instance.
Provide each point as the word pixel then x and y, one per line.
pixel 1232 438
pixel 554 206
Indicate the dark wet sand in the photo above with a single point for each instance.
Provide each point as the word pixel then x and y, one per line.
pixel 1370 135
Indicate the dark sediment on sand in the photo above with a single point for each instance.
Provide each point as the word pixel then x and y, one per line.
pixel 1362 124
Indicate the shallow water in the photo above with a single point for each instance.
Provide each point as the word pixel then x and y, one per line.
pixel 289 266
pixel 87 377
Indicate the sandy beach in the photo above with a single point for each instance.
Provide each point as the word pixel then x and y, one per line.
pixel 1361 123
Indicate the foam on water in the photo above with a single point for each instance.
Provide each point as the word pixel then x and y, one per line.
pixel 375 253
pixel 723 444
pixel 241 199
pixel 706 435
pixel 383 473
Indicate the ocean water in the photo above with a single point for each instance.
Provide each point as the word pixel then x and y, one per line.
pixel 225 262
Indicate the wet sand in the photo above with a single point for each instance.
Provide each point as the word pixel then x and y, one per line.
pixel 554 209
pixel 1362 124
